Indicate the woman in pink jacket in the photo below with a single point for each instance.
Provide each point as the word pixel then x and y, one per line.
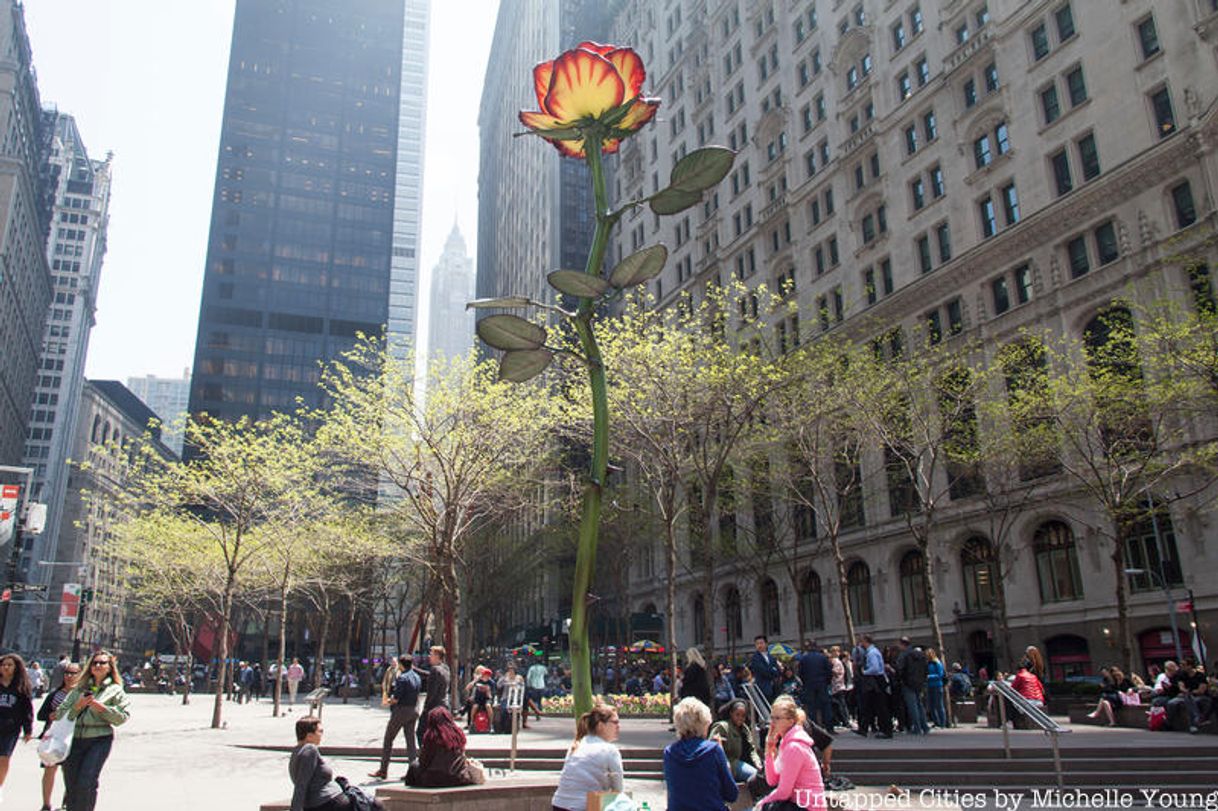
pixel 790 765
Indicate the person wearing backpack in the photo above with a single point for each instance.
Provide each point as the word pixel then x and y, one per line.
pixel 403 715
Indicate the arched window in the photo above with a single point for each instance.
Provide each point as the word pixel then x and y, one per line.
pixel 105 433
pixel 913 585
pixel 735 623
pixel 649 608
pixel 1151 546
pixel 858 591
pixel 699 618
pixel 1112 358
pixel 977 564
pixel 771 613
pixel 96 428
pixel 810 602
pixel 1057 563
pixel 1026 368
pixel 1068 656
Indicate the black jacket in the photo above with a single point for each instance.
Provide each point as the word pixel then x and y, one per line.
pixel 911 668
pixel 695 683
pixel 814 670
pixel 16 711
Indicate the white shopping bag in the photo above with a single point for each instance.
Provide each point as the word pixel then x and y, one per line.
pixel 53 749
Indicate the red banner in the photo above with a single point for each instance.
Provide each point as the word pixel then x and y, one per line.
pixel 69 608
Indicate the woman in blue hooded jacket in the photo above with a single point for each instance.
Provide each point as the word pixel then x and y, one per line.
pixel 695 769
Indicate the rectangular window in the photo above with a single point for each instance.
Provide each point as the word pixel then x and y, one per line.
pixel 898 36
pixel 1049 104
pixel 1076 250
pixel 904 86
pixel 819 253
pixel 923 247
pixel 923 69
pixel 819 102
pixel 824 152
pixel 1165 118
pixel 911 139
pixel 1023 284
pixel 915 20
pixel 970 93
pixel 833 255
pixel 991 78
pixel 1148 37
pixel 955 317
pixel 852 77
pixel 1010 204
pixel 1061 172
pixel 982 155
pixel 874 162
pixel 944 236
pixel 1065 23
pixel 860 179
pixel 869 286
pixel 1002 298
pixel 1106 243
pixel 822 307
pixel 1002 138
pixel 810 162
pixel 839 304
pixel 814 211
pixel 962 34
pixel 1182 201
pixel 1040 42
pixel 886 276
pixel 929 127
pixel 934 327
pixel 937 188
pixel 917 193
pixel 868 226
pixel 1077 86
pixel 1089 156
pixel 828 202
pixel 989 224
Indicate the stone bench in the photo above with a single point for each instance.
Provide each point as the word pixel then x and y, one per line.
pixel 492 796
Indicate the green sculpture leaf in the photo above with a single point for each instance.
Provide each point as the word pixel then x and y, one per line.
pixel 639 267
pixel 673 200
pixel 504 303
pixel 702 169
pixel 574 283
pixel 520 365
pixel 510 332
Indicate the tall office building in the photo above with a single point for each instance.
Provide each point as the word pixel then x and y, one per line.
pixel 314 224
pixel 534 216
pixel 169 398
pixel 25 198
pixel 941 169
pixel 75 250
pixel 450 331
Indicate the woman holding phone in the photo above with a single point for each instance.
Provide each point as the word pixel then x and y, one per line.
pixel 97 704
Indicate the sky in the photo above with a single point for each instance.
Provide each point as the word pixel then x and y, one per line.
pixel 145 80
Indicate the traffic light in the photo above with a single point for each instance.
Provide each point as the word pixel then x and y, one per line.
pixel 86 595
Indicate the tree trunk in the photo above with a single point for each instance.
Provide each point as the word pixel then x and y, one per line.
pixel 932 597
pixel 283 647
pixel 1000 612
pixel 710 506
pixel 670 603
pixel 266 641
pixel 323 633
pixel 843 587
pixel 1122 594
pixel 226 610
pixel 344 689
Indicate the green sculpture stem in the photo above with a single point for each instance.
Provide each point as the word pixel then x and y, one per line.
pixel 589 527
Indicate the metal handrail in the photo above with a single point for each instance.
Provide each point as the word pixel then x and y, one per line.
pixel 760 704
pixel 1033 713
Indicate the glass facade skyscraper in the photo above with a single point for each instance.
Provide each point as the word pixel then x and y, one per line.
pixel 303 215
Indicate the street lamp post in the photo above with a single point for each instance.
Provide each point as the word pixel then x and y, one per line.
pixel 1171 608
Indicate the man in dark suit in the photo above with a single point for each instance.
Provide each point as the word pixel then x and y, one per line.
pixel 816 672
pixel 764 668
pixel 438 679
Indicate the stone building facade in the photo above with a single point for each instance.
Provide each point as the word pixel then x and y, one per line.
pixel 978 167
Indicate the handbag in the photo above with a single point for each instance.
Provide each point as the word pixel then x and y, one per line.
pixel 53 749
pixel 610 801
pixel 477 771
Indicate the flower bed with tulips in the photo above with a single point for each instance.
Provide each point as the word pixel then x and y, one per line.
pixel 652 705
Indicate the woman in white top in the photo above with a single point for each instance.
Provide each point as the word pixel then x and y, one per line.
pixel 594 763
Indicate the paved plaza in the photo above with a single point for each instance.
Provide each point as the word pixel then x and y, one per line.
pixel 167 757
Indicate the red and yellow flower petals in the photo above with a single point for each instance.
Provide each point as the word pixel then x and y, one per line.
pixel 575 149
pixel 641 111
pixel 596 47
pixel 583 85
pixel 541 80
pixel 539 122
pixel 570 149
pixel 630 67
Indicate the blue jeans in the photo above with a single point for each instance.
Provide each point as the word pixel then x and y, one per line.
pixel 915 710
pixel 742 772
pixel 81 771
pixel 934 700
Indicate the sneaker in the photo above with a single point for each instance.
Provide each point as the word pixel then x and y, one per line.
pixel 1192 730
